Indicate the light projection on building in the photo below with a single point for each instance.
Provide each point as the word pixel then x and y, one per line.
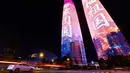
pixel 106 36
pixel 72 42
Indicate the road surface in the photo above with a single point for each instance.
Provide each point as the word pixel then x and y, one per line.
pixel 74 71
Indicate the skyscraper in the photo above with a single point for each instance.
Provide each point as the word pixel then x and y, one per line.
pixel 72 41
pixel 103 29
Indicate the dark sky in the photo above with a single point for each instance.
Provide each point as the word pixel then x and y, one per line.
pixel 28 25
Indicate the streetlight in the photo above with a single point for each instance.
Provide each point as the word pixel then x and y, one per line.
pixel 52 60
pixel 129 53
pixel 41 55
pixel 68 59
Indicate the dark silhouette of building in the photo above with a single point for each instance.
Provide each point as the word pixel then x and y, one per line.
pixel 9 54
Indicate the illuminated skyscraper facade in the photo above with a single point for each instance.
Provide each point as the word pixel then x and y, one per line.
pixel 72 41
pixel 106 36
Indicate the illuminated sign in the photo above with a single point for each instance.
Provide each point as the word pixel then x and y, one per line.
pixel 71 34
pixel 100 25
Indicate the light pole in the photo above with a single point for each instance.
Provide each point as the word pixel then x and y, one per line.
pixel 68 62
pixel 19 58
pixel 41 56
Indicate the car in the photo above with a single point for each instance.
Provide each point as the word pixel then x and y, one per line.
pixel 38 68
pixel 16 68
pixel 54 68
pixel 118 68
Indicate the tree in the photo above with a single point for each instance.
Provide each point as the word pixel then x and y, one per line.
pixel 102 63
pixel 66 60
pixel 43 60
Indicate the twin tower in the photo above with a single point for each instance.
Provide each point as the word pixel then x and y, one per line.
pixel 106 36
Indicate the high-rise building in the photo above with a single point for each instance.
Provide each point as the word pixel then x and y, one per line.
pixel 104 32
pixel 72 41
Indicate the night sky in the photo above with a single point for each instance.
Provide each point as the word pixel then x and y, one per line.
pixel 30 25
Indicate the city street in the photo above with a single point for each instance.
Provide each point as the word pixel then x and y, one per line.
pixel 75 71
pixel 83 71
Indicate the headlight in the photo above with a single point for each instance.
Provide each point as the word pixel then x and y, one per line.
pixel 10 67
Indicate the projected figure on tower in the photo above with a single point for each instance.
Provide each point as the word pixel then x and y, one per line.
pixel 72 42
pixel 106 36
